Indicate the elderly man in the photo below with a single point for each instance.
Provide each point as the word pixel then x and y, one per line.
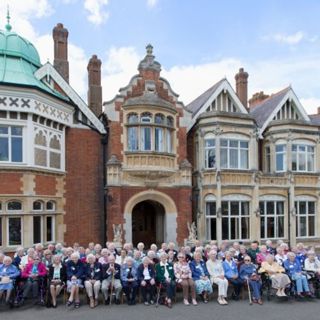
pixel 111 278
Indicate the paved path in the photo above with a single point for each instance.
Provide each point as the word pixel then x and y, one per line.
pixel 238 310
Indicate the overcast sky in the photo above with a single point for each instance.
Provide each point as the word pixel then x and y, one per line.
pixel 197 42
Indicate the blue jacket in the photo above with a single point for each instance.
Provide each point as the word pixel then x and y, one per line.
pixel 11 271
pixel 78 270
pixel 292 267
pixel 125 272
pixel 230 271
pixel 246 270
pixel 140 272
pixel 95 273
pixel 196 270
pixel 106 274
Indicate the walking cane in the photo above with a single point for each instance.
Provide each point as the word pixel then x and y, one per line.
pixel 111 288
pixel 158 295
pixel 249 292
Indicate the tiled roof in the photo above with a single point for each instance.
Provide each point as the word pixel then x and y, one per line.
pixel 263 110
pixel 197 103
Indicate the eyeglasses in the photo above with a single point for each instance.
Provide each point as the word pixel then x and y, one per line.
pixel 180 257
pixel 246 260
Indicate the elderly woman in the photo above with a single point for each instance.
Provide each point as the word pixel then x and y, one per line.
pixel 47 258
pixel 140 247
pixel 137 257
pixel 183 275
pixel 165 278
pixel 76 273
pixel 18 256
pixel 242 254
pixel 8 272
pixel 67 252
pixel 294 270
pixel 34 273
pixel 93 279
pixel 280 257
pixel 111 277
pixel 28 258
pixel 129 278
pixel 121 259
pixel 312 264
pixel 200 275
pixel 262 255
pixel 231 273
pixel 248 272
pixel 279 280
pixel 146 277
pixel 216 272
pixel 104 256
pixel 57 278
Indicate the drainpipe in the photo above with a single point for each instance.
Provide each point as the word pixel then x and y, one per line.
pixel 289 219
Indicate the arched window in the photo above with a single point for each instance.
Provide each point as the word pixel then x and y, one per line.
pixel 37 206
pixel 50 206
pixel 170 122
pixel 133 118
pixel 159 118
pixel 14 206
pixel 146 117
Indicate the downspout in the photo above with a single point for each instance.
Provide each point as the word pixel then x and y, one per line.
pixel 289 219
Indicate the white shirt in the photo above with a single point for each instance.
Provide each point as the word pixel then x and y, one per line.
pixel 146 274
pixel 166 273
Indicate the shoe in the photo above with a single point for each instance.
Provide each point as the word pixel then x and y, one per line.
pixel 225 302
pixel 146 303
pixel 260 302
pixel 91 303
pixel 169 304
pixel 117 301
pixel 54 306
pixel 194 302
pixel 77 305
pixel 107 302
pixel 186 302
pixel 220 301
pixel 69 303
pixel 152 302
pixel 254 300
pixel 299 296
pixel 96 302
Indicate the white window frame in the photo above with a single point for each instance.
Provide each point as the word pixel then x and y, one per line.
pixel 207 150
pixel 210 199
pixel 9 136
pixel 228 149
pixel 54 206
pixel 307 215
pixel 53 217
pixel 306 153
pixel 159 139
pixel 284 154
pixel 41 228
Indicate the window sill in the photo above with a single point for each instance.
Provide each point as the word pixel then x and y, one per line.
pixel 155 153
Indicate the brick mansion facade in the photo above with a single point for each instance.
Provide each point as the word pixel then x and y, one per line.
pixel 70 170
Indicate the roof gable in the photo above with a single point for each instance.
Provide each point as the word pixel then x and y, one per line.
pixel 47 70
pixel 282 105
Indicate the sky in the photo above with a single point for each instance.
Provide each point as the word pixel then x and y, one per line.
pixel 197 42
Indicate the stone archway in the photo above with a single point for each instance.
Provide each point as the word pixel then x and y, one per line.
pixel 157 198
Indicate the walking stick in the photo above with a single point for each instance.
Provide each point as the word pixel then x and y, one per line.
pixel 158 295
pixel 111 288
pixel 249 292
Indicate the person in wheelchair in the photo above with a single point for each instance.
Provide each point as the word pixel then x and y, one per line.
pixel 57 278
pixel 8 273
pixel 34 273
pixel 294 270
pixel 279 280
pixel 248 272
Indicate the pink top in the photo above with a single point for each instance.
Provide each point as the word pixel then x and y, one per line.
pixel 42 271
pixel 182 270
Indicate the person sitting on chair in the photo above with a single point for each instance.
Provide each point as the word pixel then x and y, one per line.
pixel 76 273
pixel 93 278
pixel 34 273
pixel 129 278
pixel 248 272
pixel 312 264
pixel 57 278
pixel 279 280
pixel 183 275
pixel 165 278
pixel 146 277
pixel 231 273
pixel 200 276
pixel 8 273
pixel 111 279
pixel 294 270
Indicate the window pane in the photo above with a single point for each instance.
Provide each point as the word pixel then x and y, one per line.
pixel 225 229
pixel 262 222
pixel 244 208
pixel 280 227
pixel 302 162
pixel 14 231
pixel 245 227
pixel 210 143
pixel 302 207
pixel 234 230
pixel 224 208
pixel 280 207
pixel 37 205
pixel 4 130
pixel 16 131
pixel 244 159
pixel 234 206
pixel 233 158
pixel 133 118
pixel 4 149
pixel 270 227
pixel 15 205
pixel 294 162
pixel 146 138
pixel 311 226
pixel 244 144
pixel 55 160
pixel 311 207
pixel 280 162
pixel 210 208
pixel 169 141
pixel 310 159
pixel 303 227
pixel 223 143
pixel 224 158
pixel 133 138
pixel 0 231
pixel 16 149
pixel 159 143
pixel 50 230
pixel 37 229
pixel 211 225
pixel 234 143
pixel 270 208
pixel 50 205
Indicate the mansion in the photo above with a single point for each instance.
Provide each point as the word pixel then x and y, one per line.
pixel 71 171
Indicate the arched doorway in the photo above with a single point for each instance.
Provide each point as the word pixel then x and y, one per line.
pixel 148 222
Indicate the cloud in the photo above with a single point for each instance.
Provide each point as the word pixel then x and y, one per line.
pixel 152 3
pixel 97 11
pixel 290 39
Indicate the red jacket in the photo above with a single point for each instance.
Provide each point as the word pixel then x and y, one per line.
pixel 42 271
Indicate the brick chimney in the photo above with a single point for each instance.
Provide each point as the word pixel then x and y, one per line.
pixel 257 98
pixel 242 86
pixel 318 110
pixel 60 39
pixel 94 85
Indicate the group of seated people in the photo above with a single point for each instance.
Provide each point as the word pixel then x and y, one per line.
pixel 43 273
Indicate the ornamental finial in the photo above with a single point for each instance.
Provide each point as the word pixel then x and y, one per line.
pixel 149 48
pixel 8 25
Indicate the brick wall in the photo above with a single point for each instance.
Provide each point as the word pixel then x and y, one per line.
pixel 84 186
pixel 11 183
pixel 45 185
